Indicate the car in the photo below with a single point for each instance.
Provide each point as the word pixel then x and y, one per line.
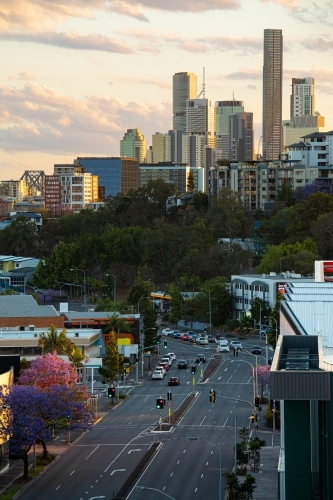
pixel 160 369
pixel 173 381
pixel 193 338
pixel 166 366
pixel 177 332
pixel 202 341
pixel 185 336
pixel 166 359
pixel 167 331
pixel 223 348
pixel 235 344
pixel 175 335
pixel 256 350
pixel 182 363
pixel 172 356
pixel 211 338
pixel 191 332
pixel 158 375
pixel 201 358
pixel 221 341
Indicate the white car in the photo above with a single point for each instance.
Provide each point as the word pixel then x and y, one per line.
pixel 167 331
pixel 172 356
pixel 166 359
pixel 202 341
pixel 157 374
pixel 223 348
pixel 222 341
pixel 160 369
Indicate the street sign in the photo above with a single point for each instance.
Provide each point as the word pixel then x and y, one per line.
pixel 148 353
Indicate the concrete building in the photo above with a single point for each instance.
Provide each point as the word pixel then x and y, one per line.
pixel 316 150
pixel 240 137
pixel 13 189
pixel 300 126
pixel 133 145
pixel 161 148
pixel 199 119
pixel 272 95
pixel 302 99
pixel 115 174
pixel 171 173
pixel 184 87
pixel 222 111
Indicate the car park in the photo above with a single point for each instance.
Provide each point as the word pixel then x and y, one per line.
pixel 202 341
pixel 167 331
pixel 200 358
pixel 173 381
pixel 158 375
pixel 256 350
pixel 211 338
pixel 184 336
pixel 235 344
pixel 223 348
pixel 182 363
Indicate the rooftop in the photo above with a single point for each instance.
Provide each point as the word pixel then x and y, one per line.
pixel 24 306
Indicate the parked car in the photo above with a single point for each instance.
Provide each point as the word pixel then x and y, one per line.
pixel 202 341
pixel 235 344
pixel 184 336
pixel 193 338
pixel 157 374
pixel 201 358
pixel 182 363
pixel 223 348
pixel 173 381
pixel 211 338
pixel 167 331
pixel 256 350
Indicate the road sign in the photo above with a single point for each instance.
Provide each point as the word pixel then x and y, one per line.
pixel 148 353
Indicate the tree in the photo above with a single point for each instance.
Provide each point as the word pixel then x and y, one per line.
pixel 75 356
pixel 150 330
pixel 227 215
pixel 190 182
pixel 55 342
pixel 286 256
pixel 139 290
pixel 259 310
pixel 116 325
pixel 175 302
pixel 19 235
pixel 263 374
pixel 322 232
pixel 48 370
pixel 112 361
pixel 216 293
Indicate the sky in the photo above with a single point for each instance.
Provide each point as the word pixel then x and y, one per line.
pixel 76 74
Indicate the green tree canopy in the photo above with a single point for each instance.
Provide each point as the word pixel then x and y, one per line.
pixel 286 256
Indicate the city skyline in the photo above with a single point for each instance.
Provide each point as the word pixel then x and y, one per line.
pixel 76 77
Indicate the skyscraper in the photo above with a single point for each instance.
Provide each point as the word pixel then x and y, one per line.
pixel 222 111
pixel 134 145
pixel 272 95
pixel 240 137
pixel 184 87
pixel 302 99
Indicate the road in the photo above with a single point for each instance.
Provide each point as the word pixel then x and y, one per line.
pixel 98 464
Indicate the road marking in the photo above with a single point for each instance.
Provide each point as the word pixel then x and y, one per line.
pixel 92 452
pixel 225 422
pixel 171 474
pixel 184 451
pixel 201 476
pixel 129 423
pixel 249 380
pixel 137 449
pixel 178 462
pixel 202 420
pixel 229 379
pixel 58 487
pixel 117 470
pixel 226 369
pixel 146 398
pixel 196 489
pixel 219 378
pixel 142 415
pixel 72 472
pixel 206 463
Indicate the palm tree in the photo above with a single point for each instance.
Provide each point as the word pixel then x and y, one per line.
pixel 117 325
pixel 75 356
pixel 55 342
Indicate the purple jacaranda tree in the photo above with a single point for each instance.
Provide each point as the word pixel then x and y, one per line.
pixel 48 370
pixel 30 414
pixel 263 373
pixel 302 193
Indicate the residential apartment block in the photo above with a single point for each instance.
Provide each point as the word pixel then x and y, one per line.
pixel 240 137
pixel 302 99
pixel 15 190
pixel 171 173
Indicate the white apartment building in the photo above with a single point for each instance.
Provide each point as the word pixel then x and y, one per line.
pixel 315 151
pixel 302 99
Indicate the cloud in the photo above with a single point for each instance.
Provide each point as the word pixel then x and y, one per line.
pixel 320 12
pixel 251 87
pixel 24 75
pixel 38 118
pixel 246 74
pixel 162 84
pixel 319 44
pixel 71 40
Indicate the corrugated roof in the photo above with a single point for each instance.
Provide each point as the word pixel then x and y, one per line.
pixel 310 284
pixel 315 295
pixel 75 315
pixel 20 306
pixel 313 317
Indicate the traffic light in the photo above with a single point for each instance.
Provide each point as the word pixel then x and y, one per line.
pixel 256 402
pixel 164 402
pixel 111 392
pixel 159 403
pixel 205 329
pixel 69 416
pixel 212 396
pixel 165 344
pixel 136 361
pixel 169 396
pixel 193 369
pixel 124 372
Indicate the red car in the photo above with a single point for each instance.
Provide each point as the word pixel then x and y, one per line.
pixel 185 336
pixel 166 366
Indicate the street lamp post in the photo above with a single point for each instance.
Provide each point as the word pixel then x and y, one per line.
pixel 220 450
pixel 84 285
pixel 276 329
pixel 114 286
pixel 254 300
pixel 139 303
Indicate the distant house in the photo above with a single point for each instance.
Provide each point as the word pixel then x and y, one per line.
pixel 16 271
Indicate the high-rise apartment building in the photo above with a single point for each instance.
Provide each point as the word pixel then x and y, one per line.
pixel 134 145
pixel 184 87
pixel 161 148
pixel 240 146
pixel 222 111
pixel 302 99
pixel 272 95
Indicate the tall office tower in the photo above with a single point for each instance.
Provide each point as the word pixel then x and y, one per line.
pixel 184 87
pixel 134 145
pixel 302 99
pixel 272 95
pixel 222 111
pixel 240 137
pixel 161 148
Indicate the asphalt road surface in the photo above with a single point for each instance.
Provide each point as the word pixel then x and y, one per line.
pixel 183 468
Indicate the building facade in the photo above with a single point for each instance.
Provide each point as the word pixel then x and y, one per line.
pixel 240 137
pixel 184 87
pixel 161 148
pixel 302 99
pixel 272 95
pixel 171 173
pixel 133 145
pixel 222 111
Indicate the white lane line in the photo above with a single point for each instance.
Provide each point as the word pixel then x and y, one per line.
pixel 178 462
pixel 184 451
pixel 58 487
pixel 92 452
pixel 206 463
pixel 219 378
pixel 129 423
pixel 196 489
pixel 141 415
pixel 250 379
pixel 171 474
pixel 229 379
pixel 202 420
pixel 201 476
pixel 226 369
pixel 72 472
pixel 146 398
pixel 225 422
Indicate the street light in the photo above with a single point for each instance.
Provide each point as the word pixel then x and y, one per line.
pixel 139 303
pixel 154 489
pixel 214 445
pixel 276 328
pixel 114 286
pixel 84 285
